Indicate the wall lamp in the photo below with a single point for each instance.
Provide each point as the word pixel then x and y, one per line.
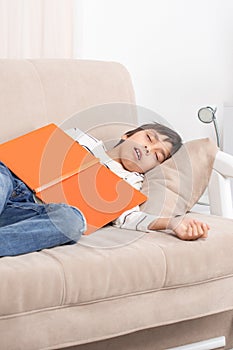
pixel 207 115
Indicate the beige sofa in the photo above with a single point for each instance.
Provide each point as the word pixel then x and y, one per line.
pixel 114 289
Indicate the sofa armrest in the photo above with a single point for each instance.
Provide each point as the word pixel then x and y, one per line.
pixel 223 164
pixel 220 185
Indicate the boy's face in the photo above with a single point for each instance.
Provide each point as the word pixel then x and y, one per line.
pixel 144 150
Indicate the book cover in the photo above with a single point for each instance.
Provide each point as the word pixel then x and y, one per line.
pixel 59 170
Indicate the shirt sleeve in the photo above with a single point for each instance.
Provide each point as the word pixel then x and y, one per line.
pixel 134 219
pixel 89 142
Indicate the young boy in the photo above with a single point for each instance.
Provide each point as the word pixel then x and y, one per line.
pixel 27 226
pixel 139 151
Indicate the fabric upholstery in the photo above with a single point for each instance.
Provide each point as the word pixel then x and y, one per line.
pixel 165 337
pixel 155 280
pixel 112 282
pixel 37 92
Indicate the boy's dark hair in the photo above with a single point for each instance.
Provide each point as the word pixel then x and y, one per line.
pixel 172 136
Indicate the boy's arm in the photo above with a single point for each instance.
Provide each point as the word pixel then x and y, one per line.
pixel 184 228
pixel 134 219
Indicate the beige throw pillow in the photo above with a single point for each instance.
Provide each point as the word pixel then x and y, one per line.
pixel 176 185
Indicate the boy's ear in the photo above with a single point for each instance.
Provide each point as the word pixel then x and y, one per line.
pixel 124 137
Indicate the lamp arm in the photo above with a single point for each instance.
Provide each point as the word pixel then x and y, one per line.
pixel 216 132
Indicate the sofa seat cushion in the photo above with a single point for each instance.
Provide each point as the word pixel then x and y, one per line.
pixel 102 266
pixel 30 282
pixel 152 279
pixel 114 263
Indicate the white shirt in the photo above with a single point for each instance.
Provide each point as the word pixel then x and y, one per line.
pixel 132 219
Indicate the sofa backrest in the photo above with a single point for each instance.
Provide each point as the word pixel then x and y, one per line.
pixel 34 93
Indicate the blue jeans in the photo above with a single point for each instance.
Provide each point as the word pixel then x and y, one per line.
pixel 26 226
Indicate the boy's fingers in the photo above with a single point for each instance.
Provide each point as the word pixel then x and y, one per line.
pixel 189 231
pixel 194 229
pixel 199 228
pixel 205 228
pixel 194 232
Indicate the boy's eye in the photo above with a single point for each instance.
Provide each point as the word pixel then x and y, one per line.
pixel 149 138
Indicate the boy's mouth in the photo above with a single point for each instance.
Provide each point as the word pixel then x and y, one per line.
pixel 138 153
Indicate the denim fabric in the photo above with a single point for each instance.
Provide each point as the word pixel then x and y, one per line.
pixel 26 226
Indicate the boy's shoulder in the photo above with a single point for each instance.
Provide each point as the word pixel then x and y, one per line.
pixel 84 138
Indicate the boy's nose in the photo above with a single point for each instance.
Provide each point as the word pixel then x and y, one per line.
pixel 148 149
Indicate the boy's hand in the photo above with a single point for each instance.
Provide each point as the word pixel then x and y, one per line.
pixel 189 229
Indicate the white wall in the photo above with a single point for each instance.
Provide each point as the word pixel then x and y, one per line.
pixel 37 29
pixel 178 53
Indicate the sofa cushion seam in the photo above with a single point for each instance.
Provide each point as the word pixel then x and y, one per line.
pixel 62 273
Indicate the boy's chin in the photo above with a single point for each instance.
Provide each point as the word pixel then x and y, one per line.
pixel 132 167
pixel 135 169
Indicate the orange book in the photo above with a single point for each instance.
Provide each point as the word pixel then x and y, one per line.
pixel 59 170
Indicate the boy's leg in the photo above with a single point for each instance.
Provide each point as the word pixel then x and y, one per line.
pixel 50 226
pixel 6 186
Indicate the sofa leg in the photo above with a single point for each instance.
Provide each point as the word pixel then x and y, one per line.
pixel 214 343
